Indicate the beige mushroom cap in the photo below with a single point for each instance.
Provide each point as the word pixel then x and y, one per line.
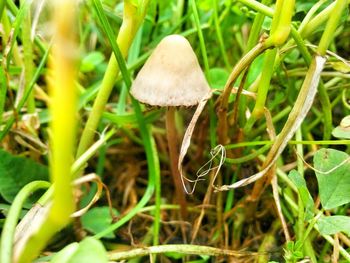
pixel 171 76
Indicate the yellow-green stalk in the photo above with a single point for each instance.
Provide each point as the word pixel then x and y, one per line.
pixel 63 108
pixel 280 29
pixel 132 18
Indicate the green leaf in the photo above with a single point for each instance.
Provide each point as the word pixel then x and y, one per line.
pixel 341 132
pixel 333 186
pixel 130 118
pixel 304 193
pixel 16 172
pixel 133 2
pixel 89 250
pixel 255 69
pixel 91 61
pixel 218 77
pixel 98 219
pixel 174 255
pixel 65 254
pixel 340 66
pixel 329 225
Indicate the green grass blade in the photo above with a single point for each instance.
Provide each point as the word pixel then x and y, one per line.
pixel 149 144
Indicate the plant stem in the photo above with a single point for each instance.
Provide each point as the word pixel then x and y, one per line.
pixel 184 249
pixel 174 156
pixel 264 84
pixel 328 34
pixel 259 7
pixel 256 27
pixel 300 164
pixel 128 29
pixel 223 99
pixel 9 227
pixel 63 126
pixel 318 20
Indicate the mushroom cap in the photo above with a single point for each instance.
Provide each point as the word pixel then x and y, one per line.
pixel 171 76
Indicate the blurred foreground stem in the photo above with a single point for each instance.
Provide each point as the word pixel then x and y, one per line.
pixel 63 94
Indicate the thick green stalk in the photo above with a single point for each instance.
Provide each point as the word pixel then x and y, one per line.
pixel 310 14
pixel 252 41
pixel 131 22
pixel 264 85
pixel 318 20
pixel 328 34
pixel 256 28
pixel 259 7
pixel 281 22
pixel 244 62
pixel 280 28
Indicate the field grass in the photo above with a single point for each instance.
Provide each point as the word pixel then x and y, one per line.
pixel 90 174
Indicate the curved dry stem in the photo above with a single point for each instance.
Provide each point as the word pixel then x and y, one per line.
pixel 301 108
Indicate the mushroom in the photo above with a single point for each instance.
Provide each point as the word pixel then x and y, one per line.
pixel 172 77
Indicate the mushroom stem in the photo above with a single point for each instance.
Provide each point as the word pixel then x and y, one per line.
pixel 174 155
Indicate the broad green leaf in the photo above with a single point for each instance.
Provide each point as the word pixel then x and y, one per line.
pixel 218 77
pixel 304 193
pixel 329 225
pixel 98 219
pixel 16 172
pixel 65 254
pixel 333 186
pixel 90 250
pixel 174 255
pixel 292 56
pixel 254 70
pixel 91 61
pixel 340 66
pixel 205 5
pixel 341 132
pixel 129 118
